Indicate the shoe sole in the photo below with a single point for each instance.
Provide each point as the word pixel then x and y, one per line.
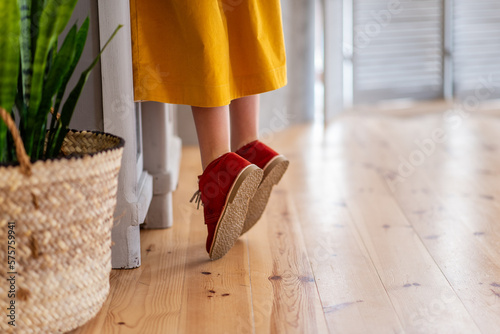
pixel 273 173
pixel 235 209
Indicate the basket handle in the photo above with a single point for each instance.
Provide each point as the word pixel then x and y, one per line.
pixel 22 157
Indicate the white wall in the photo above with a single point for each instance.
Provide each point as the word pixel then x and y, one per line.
pixel 88 112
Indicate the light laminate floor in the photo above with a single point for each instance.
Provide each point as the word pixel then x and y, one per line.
pixel 383 224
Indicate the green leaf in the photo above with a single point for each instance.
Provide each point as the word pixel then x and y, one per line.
pixel 36 13
pixel 9 62
pixel 21 107
pixel 9 52
pixel 81 38
pixel 11 148
pixel 69 105
pixel 61 64
pixel 26 52
pixel 53 19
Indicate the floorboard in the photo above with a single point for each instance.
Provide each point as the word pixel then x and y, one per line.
pixel 384 223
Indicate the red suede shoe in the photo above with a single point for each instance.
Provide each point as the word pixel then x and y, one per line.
pixel 274 166
pixel 226 187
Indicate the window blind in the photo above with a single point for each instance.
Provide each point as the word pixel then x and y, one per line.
pixel 397 49
pixel 476 47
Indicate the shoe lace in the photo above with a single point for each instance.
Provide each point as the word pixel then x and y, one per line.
pixel 196 198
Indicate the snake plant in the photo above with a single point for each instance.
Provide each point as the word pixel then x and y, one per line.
pixel 35 71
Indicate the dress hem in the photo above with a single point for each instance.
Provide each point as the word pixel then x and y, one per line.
pixel 175 94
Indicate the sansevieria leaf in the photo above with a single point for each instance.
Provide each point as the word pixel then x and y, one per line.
pixel 9 62
pixel 9 52
pixel 69 105
pixel 26 56
pixel 81 38
pixel 36 12
pixel 54 17
pixel 61 64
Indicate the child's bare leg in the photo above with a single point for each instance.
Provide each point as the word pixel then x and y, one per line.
pixel 244 121
pixel 212 128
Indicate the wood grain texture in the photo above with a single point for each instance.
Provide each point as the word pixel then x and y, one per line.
pixel 284 294
pixel 450 202
pixel 363 235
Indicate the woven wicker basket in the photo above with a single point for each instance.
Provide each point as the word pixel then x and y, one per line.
pixel 63 215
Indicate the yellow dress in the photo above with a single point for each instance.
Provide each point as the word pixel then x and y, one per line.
pixel 206 53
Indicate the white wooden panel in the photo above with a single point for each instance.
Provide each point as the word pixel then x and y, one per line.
pixel 135 186
pixel 162 157
pixel 333 55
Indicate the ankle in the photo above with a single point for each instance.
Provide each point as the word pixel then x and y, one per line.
pixel 235 146
pixel 207 159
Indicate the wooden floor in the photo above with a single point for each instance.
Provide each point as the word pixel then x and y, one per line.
pixel 382 224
